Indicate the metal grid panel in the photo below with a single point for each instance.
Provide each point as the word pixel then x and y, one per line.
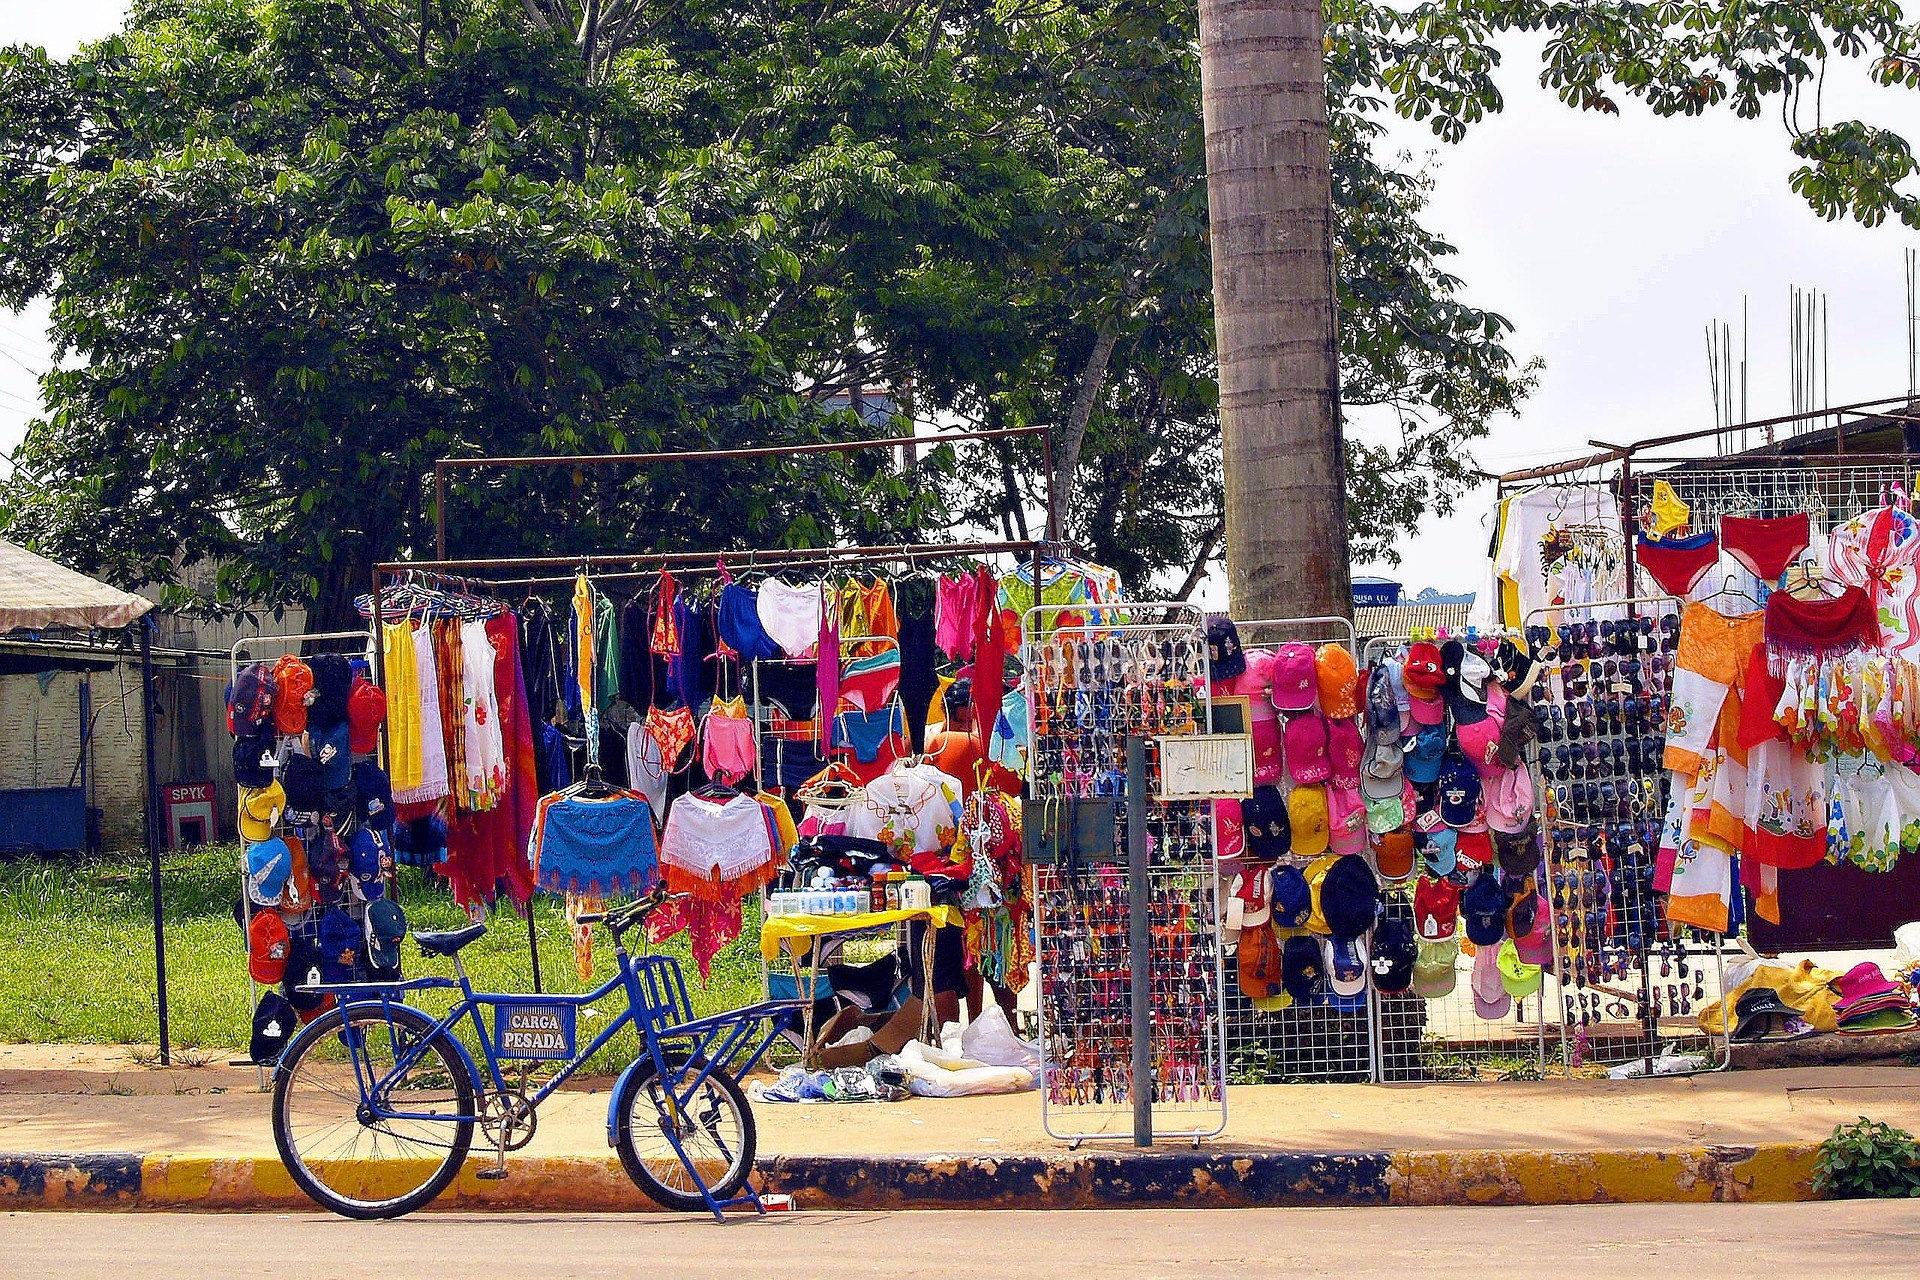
pixel 1625 983
pixel 1331 1039
pixel 1445 1038
pixel 1830 493
pixel 1089 688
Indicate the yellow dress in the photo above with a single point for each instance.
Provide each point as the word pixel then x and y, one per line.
pixel 405 766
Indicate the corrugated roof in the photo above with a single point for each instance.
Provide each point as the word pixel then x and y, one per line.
pixel 1400 619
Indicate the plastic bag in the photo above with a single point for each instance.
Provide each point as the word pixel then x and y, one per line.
pixel 990 1039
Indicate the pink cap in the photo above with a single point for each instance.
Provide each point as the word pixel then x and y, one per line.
pixel 1344 752
pixel 1232 835
pixel 1863 980
pixel 1490 998
pixel 1346 819
pixel 1508 797
pixel 1425 711
pixel 1307 747
pixel 1537 947
pixel 1267 758
pixel 1296 680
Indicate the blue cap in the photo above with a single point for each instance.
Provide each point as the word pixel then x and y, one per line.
pixel 340 943
pixel 268 864
pixel 1292 898
pixel 1459 791
pixel 1425 752
pixel 363 859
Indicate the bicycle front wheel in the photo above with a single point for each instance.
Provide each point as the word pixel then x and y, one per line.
pixel 713 1128
pixel 359 1132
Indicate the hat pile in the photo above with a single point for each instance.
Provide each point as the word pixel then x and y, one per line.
pixel 1868 1003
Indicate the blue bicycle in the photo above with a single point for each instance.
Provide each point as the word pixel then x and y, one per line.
pixel 375 1102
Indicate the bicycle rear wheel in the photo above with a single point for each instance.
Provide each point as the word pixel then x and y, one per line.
pixel 714 1127
pixel 341 1146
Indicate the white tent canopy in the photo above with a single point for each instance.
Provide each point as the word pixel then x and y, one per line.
pixel 35 592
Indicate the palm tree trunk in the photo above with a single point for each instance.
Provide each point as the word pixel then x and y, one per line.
pixel 1270 201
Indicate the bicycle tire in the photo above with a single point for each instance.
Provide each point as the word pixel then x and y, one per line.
pixel 661 1175
pixel 302 1065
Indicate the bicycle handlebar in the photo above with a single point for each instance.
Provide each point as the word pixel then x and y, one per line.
pixel 625 917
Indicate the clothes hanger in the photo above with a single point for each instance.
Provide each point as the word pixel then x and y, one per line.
pixel 1813 581
pixel 1728 588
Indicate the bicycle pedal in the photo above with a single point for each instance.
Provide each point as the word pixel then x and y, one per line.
pixel 491 1175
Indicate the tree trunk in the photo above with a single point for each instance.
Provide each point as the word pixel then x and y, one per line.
pixel 1270 206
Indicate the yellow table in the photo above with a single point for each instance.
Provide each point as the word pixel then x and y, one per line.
pixel 794 935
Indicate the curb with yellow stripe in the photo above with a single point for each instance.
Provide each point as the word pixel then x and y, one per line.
pixel 1222 1179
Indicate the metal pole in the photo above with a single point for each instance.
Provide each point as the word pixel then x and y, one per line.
pixel 1627 518
pixel 533 943
pixel 1139 940
pixel 440 509
pixel 153 838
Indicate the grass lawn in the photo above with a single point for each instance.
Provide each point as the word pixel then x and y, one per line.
pixel 76 952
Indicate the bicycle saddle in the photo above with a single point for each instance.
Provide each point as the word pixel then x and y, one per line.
pixel 445 944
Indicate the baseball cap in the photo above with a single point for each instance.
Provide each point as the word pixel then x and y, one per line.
pixel 1301 968
pixel 1383 713
pixel 1292 898
pixel 1490 998
pixel 1258 958
pixel 303 970
pixel 1437 842
pixel 1225 658
pixel 366 709
pixel 1459 791
pixel 1469 688
pixel 301 778
pixel 268 862
pixel 250 699
pixel 1343 753
pixel 1307 816
pixel 364 854
pixel 1335 673
pixel 260 809
pixel 267 946
pixel 333 750
pixel 1267 756
pixel 1523 906
pixel 1483 905
pixel 332 681
pixel 298 893
pixel 1424 754
pixel 1393 854
pixel 1385 766
pixel 1345 963
pixel 293 685
pixel 274 1021
pixel 386 925
pixel 374 793
pixel 253 759
pixel 340 943
pixel 1230 833
pixel 1509 799
pixel 1296 681
pixel 1250 889
pixel 1349 897
pixel 1433 968
pixel 1386 814
pixel 1518 853
pixel 1264 819
pixel 1392 952
pixel 1346 821
pixel 326 863
pixel 1436 909
pixel 1307 742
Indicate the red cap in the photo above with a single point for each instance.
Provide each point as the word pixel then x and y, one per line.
pixel 267 946
pixel 1436 910
pixel 366 708
pixel 1424 673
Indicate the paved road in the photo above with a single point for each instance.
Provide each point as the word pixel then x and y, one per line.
pixel 1856 1240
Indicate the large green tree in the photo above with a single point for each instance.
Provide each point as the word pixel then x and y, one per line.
pixel 296 250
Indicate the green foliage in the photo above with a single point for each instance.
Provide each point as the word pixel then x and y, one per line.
pixel 1867 1160
pixel 76 952
pixel 299 250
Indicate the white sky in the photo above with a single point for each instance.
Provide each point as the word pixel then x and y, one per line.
pixel 1610 242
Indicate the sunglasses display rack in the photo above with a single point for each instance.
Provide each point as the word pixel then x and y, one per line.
pixel 1445 1038
pixel 1332 1039
pixel 1091 689
pixel 1628 984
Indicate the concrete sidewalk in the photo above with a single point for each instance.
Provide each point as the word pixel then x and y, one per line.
pixel 201 1135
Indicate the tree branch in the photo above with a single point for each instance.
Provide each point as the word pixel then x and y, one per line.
pixel 1208 545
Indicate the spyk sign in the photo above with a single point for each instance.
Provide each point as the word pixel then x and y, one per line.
pixel 534 1032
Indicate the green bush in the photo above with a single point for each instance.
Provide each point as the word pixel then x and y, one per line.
pixel 1867 1160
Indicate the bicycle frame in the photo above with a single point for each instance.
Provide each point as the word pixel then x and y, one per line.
pixel 657 1005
